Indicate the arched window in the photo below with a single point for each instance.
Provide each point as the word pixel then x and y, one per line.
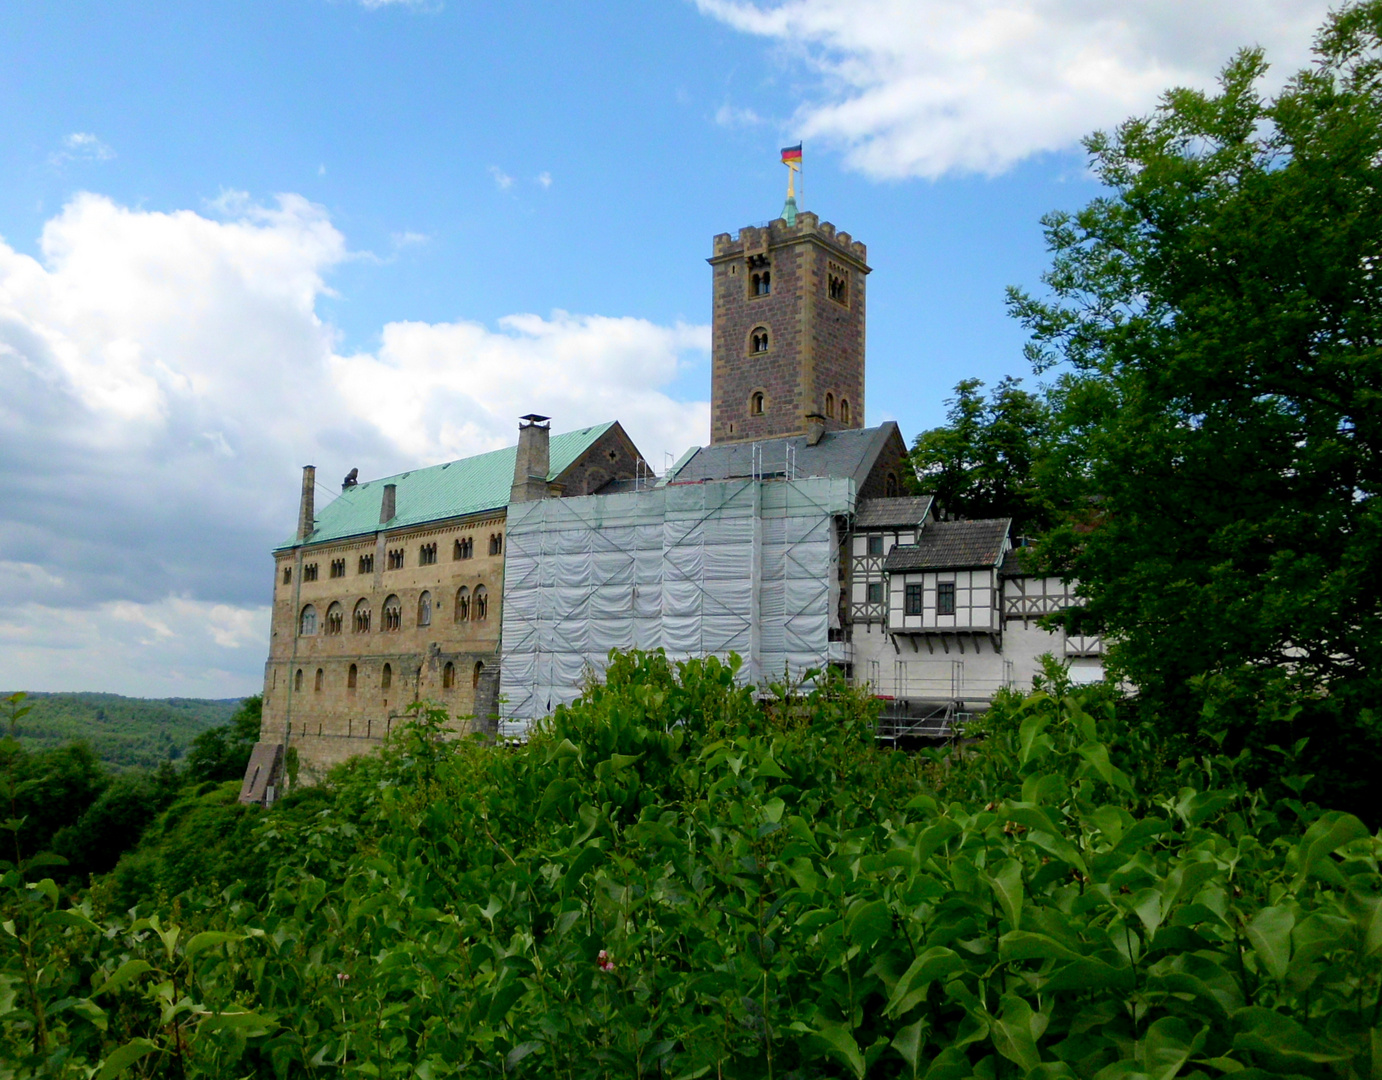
pixel 844 410
pixel 448 676
pixel 362 617
pixel 352 677
pixel 830 406
pixel 892 485
pixel 424 609
pixel 475 675
pixel 335 619
pixel 496 544
pixel 758 339
pixel 393 614
pixel 320 680
pixel 386 678
pixel 307 621
pixel 297 680
pixel 481 603
pixel 756 403
pixel 462 604
pixel 762 283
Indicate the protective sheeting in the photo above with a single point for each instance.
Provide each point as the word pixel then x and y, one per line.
pixel 700 569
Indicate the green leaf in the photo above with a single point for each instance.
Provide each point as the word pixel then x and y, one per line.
pixel 1325 836
pixel 1015 1034
pixel 1006 882
pixel 519 1052
pixel 909 1041
pixel 1167 1046
pixel 934 836
pixel 1024 945
pixel 869 923
pixel 841 1042
pixel 123 976
pixel 1278 1035
pixel 1270 934
pixel 586 861
pixel 1027 736
pixel 248 1022
pixel 935 963
pixel 205 940
pixel 123 1057
pixel 1147 904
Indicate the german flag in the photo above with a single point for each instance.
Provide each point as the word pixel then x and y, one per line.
pixel 791 153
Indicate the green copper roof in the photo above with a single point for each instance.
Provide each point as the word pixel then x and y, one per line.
pixel 469 486
pixel 789 211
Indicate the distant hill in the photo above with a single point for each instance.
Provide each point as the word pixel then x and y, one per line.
pixel 122 731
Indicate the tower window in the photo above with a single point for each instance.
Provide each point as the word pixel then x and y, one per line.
pixel 756 403
pixel 760 283
pixel 838 288
pixel 830 406
pixel 287 574
pixel 844 410
pixel 758 340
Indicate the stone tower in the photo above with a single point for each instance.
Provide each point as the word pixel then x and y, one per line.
pixel 787 330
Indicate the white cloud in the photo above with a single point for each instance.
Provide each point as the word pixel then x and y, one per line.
pixel 502 180
pixel 82 146
pixel 732 116
pixel 544 179
pixel 163 376
pixel 929 87
pixel 407 238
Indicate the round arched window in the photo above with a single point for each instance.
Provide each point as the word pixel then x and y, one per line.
pixel 393 614
pixel 424 609
pixel 462 604
pixel 386 677
pixel 362 617
pixel 756 403
pixel 844 410
pixel 307 621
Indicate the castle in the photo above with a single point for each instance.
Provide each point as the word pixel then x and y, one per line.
pixel 496 583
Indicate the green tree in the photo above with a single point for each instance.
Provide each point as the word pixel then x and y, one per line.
pixel 982 463
pixel 223 753
pixel 1217 318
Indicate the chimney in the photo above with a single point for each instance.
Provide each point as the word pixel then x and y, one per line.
pixel 533 460
pixel 389 507
pixel 307 508
pixel 815 428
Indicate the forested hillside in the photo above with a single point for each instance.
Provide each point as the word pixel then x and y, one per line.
pixel 122 732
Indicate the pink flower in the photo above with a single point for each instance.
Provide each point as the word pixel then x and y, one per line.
pixel 341 977
pixel 603 962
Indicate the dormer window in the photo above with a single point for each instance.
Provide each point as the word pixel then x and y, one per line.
pixel 758 340
pixel 756 403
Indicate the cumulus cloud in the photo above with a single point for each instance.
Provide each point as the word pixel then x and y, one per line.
pixel 544 179
pixel 733 116
pixel 82 146
pixel 929 87
pixel 502 180
pixel 163 376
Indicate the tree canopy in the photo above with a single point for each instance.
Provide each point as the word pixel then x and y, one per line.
pixel 1214 322
pixel 981 462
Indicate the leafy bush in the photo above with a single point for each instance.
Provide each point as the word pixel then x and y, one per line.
pixel 677 877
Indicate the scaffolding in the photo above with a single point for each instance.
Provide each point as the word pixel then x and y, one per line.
pixel 744 566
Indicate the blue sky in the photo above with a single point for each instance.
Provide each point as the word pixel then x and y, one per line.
pixel 238 237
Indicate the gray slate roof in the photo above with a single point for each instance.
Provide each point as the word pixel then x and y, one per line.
pixel 1017 563
pixel 842 454
pixel 952 545
pixel 904 512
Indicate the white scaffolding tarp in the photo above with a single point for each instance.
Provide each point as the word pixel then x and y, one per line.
pixel 737 566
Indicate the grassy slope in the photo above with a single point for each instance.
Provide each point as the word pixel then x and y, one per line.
pixel 123 732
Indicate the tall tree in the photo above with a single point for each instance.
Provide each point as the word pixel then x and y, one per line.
pixel 1217 321
pixel 981 463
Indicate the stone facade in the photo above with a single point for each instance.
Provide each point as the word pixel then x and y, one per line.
pixel 791 346
pixel 309 699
